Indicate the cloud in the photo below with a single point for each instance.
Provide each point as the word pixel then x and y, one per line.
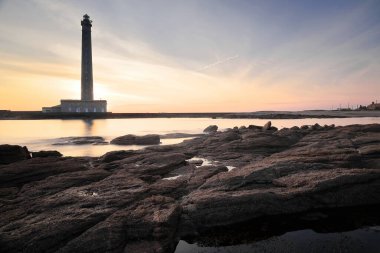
pixel 219 62
pixel 163 55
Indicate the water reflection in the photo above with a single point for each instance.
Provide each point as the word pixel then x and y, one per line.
pixel 340 230
pixel 88 125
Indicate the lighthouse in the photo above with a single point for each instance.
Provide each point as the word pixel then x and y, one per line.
pixel 87 91
pixel 86 104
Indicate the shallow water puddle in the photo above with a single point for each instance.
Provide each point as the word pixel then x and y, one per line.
pixel 87 194
pixel 172 178
pixel 206 162
pixel 359 240
pixel 230 168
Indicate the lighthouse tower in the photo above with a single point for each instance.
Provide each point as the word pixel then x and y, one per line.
pixel 86 104
pixel 87 93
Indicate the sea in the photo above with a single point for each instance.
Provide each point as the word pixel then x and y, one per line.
pixel 43 134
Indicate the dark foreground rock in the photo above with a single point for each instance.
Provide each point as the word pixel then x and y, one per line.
pixel 13 153
pixel 146 200
pixel 130 139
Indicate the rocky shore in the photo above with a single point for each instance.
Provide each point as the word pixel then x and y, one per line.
pixel 147 200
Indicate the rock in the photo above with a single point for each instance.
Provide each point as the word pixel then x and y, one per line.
pixel 316 126
pixel 211 129
pixel 130 139
pixel 47 153
pixel 201 174
pixel 328 127
pixel 80 140
pixel 267 126
pixel 149 225
pixel 255 127
pixel 116 155
pixel 13 153
pixel 146 200
pixel 370 149
pixel 36 169
pixel 178 135
pixel 229 136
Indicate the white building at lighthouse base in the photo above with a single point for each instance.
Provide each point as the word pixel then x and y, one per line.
pixel 78 106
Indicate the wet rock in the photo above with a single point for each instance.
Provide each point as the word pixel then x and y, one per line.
pixel 211 129
pixel 80 140
pixel 46 153
pixel 130 139
pixel 13 153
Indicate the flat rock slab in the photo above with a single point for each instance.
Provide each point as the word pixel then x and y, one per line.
pixel 146 200
pixel 130 139
pixel 46 153
pixel 80 140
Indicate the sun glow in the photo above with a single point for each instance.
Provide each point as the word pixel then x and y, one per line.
pixel 101 91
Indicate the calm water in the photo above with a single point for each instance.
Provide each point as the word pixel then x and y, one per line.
pixel 356 241
pixel 41 134
pixel 349 230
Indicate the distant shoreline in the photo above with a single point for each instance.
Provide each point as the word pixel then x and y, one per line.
pixel 37 115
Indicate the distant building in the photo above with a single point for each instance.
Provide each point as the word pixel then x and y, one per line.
pixel 373 106
pixel 83 105
pixel 87 104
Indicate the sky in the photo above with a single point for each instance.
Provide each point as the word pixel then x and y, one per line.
pixel 193 55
